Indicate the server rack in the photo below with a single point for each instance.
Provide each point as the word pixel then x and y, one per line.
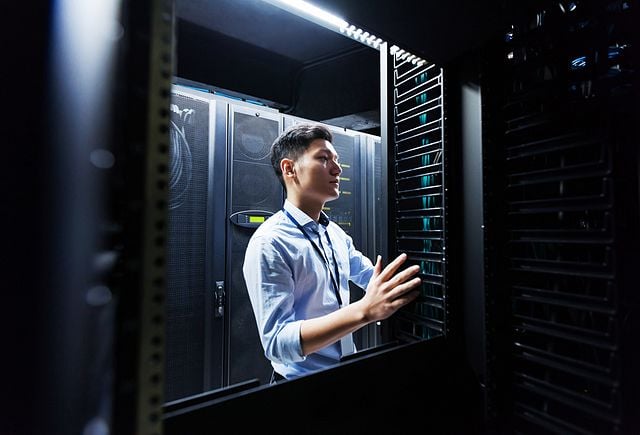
pixel 372 181
pixel 219 177
pixel 196 228
pixel 417 163
pixel 566 161
pixel 253 191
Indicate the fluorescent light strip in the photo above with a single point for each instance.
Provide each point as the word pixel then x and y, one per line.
pixel 311 12
pixel 315 14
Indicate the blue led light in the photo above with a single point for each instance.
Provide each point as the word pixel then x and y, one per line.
pixel 614 52
pixel 579 63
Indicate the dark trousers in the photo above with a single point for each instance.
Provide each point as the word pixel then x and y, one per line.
pixel 276 377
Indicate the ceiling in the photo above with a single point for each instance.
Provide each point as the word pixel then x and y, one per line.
pixel 438 31
pixel 256 49
pixel 259 23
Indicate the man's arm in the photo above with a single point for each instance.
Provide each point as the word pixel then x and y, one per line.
pixel 386 293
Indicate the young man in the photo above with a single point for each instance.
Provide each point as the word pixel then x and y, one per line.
pixel 298 264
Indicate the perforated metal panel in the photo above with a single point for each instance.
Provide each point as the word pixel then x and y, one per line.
pixel 187 236
pixel 254 186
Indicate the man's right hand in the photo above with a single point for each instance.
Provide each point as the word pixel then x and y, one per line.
pixel 388 291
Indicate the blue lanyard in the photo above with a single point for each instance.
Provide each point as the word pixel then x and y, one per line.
pixel 334 279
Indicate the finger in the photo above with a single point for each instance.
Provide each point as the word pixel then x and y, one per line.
pixel 402 289
pixel 378 267
pixel 391 268
pixel 405 299
pixel 404 275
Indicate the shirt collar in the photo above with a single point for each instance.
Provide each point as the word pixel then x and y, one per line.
pixel 324 219
pixel 303 218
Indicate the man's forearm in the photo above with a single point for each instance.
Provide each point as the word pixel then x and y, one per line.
pixel 320 332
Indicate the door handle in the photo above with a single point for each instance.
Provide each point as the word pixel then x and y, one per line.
pixel 218 299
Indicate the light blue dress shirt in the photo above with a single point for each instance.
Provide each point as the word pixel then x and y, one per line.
pixel 288 282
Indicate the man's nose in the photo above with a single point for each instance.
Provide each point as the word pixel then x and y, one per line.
pixel 336 169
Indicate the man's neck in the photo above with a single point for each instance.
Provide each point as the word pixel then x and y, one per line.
pixel 310 208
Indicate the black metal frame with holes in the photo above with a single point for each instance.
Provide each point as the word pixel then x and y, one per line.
pixel 417 206
pixel 570 238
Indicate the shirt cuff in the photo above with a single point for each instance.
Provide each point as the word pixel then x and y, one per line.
pixel 291 344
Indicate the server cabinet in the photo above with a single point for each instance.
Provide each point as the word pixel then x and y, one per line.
pixel 221 180
pixel 375 232
pixel 565 166
pixel 195 259
pixel 254 191
pixel 372 183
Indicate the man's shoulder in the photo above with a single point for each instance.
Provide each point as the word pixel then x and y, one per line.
pixel 272 237
pixel 272 229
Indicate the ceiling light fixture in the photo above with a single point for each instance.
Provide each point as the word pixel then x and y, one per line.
pixel 313 13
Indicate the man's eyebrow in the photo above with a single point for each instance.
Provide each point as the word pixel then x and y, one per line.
pixel 327 150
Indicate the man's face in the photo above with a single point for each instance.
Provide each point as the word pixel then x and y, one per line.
pixel 318 172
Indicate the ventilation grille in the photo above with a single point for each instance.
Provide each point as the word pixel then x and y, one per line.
pixel 186 253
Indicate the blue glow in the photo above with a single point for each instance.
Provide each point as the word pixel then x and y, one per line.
pixel 222 94
pixel 614 52
pixel 579 63
pixel 258 103
pixel 197 88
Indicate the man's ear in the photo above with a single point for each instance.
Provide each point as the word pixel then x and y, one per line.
pixel 286 166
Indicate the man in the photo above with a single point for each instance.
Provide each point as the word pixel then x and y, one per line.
pixel 298 264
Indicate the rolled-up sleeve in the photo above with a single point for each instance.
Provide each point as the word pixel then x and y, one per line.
pixel 270 284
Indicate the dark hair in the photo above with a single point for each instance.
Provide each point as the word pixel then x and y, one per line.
pixel 294 142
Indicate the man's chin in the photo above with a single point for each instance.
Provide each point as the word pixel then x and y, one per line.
pixel 334 196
